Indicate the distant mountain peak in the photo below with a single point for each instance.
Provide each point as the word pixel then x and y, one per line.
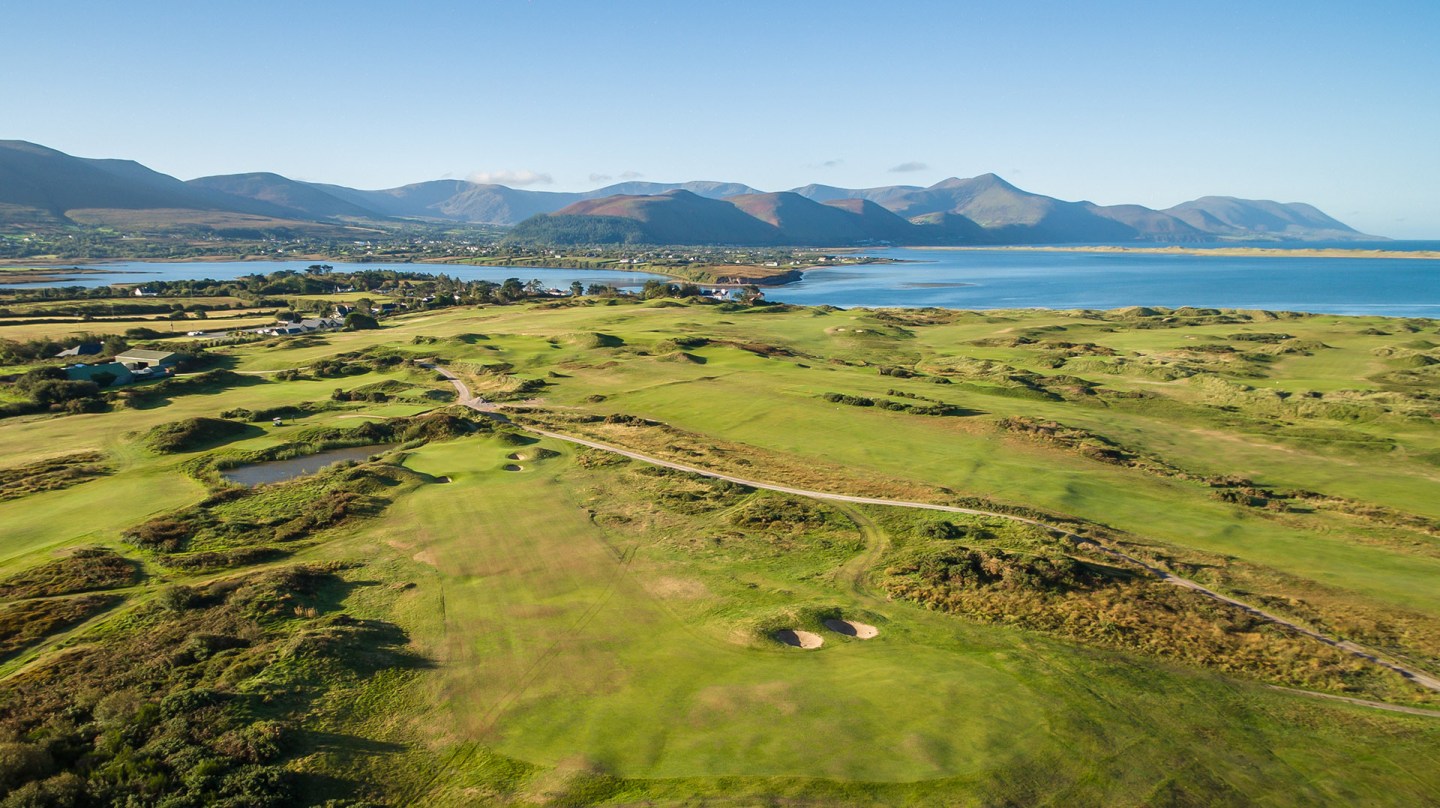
pixel 981 182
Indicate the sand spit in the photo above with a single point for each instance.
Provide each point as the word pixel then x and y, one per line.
pixel 799 639
pixel 850 628
pixel 1228 252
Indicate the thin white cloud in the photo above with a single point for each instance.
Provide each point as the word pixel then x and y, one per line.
pixel 518 178
pixel 600 177
pixel 904 168
pixel 630 175
pixel 832 163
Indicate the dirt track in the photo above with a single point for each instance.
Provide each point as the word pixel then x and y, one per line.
pixel 1417 676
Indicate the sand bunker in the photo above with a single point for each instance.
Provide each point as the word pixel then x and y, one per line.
pixel 850 628
pixel 512 467
pixel 799 639
pixel 515 456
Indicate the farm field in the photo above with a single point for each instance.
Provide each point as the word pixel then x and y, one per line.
pixel 483 615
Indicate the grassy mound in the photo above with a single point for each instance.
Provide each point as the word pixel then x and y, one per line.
pixel 51 474
pixel 85 570
pixel 193 434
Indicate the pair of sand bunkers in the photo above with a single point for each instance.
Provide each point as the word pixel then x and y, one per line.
pixel 809 640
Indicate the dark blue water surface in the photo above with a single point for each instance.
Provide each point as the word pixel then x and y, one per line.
pixel 139 272
pixel 992 279
pixel 998 279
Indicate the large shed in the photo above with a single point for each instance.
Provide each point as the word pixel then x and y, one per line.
pixel 107 374
pixel 140 358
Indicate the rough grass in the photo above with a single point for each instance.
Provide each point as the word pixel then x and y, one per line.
pixel 84 570
pixel 598 630
pixel 27 622
pixel 52 474
pixel 200 696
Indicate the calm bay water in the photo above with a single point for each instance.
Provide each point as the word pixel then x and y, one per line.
pixel 992 279
pixel 143 271
pixel 278 471
pixel 1002 279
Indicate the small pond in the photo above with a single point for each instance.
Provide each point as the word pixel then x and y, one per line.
pixel 279 471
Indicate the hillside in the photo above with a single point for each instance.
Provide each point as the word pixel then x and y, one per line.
pixel 706 188
pixel 1011 215
pixel 42 187
pixel 42 179
pixel 802 221
pixel 1149 223
pixel 682 217
pixel 298 198
pixel 487 203
pixel 1228 216
pixel 789 219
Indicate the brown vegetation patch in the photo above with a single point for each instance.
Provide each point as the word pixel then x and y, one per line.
pixel 25 623
pixel 670 588
pixel 242 525
pixel 197 697
pixel 1085 443
pixel 1090 602
pixel 670 443
pixel 52 474
pixel 85 570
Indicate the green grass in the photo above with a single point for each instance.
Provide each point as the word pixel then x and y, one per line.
pixel 597 633
pixel 557 651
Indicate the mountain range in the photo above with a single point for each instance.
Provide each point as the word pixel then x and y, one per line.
pixel 39 185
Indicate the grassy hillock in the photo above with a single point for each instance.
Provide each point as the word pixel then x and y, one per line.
pixel 192 434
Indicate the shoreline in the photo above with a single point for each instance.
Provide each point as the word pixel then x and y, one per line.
pixel 1223 252
pixel 26 271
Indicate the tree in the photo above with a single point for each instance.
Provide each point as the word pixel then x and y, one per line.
pixel 356 321
pixel 511 289
pixel 576 288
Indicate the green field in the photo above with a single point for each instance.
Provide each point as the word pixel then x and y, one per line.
pixel 486 617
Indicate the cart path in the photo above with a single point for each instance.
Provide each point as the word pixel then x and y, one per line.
pixel 1415 675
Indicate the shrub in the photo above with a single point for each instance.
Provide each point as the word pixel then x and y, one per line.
pixel 355 321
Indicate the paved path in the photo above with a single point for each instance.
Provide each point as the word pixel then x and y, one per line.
pixel 1417 676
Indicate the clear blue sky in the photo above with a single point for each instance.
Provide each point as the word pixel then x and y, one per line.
pixel 1337 104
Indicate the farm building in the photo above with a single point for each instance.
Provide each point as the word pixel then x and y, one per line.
pixel 140 358
pixel 107 374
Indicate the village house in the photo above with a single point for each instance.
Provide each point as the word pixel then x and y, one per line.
pixel 320 323
pixel 281 330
